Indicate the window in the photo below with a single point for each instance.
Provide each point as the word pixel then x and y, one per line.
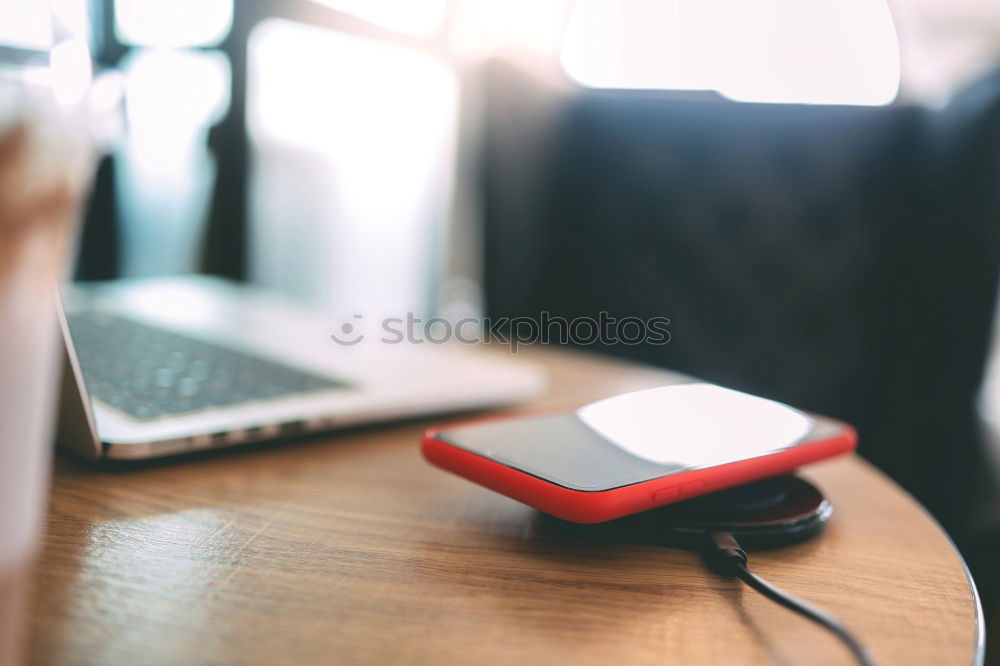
pixel 173 23
pixel 807 51
pixel 410 16
pixel 353 140
pixel 25 24
pixel 175 90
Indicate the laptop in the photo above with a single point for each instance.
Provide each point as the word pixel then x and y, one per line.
pixel 166 366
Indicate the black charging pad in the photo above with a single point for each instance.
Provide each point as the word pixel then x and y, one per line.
pixel 767 514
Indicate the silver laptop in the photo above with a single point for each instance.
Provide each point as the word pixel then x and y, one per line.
pixel 166 366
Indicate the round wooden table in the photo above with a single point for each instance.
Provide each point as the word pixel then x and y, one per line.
pixel 352 550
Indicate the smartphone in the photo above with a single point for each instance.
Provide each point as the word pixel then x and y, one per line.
pixel 636 451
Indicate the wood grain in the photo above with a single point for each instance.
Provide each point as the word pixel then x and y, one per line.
pixel 352 550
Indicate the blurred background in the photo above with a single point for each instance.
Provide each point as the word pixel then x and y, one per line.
pixel 808 189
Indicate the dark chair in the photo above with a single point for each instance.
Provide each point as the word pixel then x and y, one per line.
pixel 841 259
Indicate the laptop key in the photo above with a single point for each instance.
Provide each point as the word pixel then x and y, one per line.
pixel 148 373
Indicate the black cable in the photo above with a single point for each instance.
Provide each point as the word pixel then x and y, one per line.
pixel 727 557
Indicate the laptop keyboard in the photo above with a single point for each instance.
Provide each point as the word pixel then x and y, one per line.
pixel 149 372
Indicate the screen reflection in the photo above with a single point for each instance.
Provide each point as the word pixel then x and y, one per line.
pixel 638 436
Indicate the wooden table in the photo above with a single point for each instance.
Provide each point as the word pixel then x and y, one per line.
pixel 352 550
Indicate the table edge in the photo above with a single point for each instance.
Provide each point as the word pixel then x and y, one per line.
pixel 979 638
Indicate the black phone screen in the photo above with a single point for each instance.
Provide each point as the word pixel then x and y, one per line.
pixel 638 436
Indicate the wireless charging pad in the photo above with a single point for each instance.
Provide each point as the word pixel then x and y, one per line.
pixel 766 514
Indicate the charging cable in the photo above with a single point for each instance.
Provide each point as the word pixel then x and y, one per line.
pixel 726 557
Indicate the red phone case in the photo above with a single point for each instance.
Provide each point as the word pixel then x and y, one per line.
pixel 599 506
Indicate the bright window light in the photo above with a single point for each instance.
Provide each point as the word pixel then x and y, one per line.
pixel 353 141
pixel 71 16
pixel 486 26
pixel 164 171
pixel 791 51
pixel 173 23
pixel 409 16
pixel 173 92
pixel 69 61
pixel 25 24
